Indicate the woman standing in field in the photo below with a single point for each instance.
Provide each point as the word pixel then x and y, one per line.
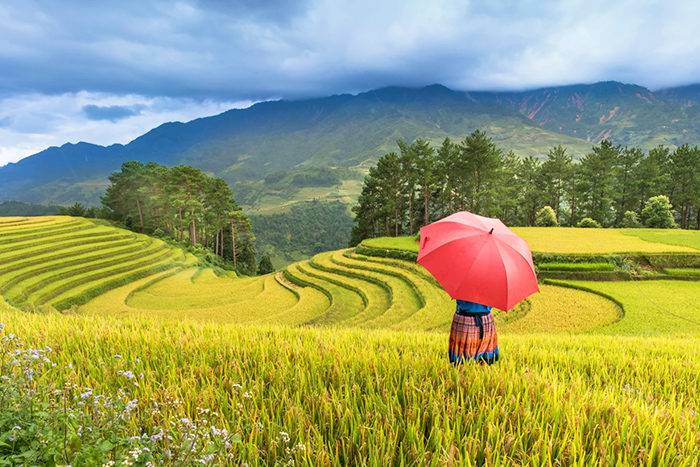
pixel 473 336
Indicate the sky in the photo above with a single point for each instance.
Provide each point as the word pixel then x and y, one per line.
pixel 107 72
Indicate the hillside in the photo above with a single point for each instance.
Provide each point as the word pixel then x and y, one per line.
pixel 243 146
pixel 56 262
pixel 626 114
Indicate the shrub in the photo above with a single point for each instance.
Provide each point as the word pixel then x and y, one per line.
pixel 265 265
pixel 588 223
pixel 657 213
pixel 576 267
pixel 546 217
pixel 630 220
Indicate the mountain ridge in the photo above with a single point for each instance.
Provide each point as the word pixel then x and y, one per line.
pixel 345 130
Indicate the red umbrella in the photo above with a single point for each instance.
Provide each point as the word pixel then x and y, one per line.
pixel 478 259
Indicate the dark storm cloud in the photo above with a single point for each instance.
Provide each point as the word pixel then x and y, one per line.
pixel 251 49
pixel 78 70
pixel 112 112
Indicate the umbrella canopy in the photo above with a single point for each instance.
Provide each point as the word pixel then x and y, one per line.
pixel 478 259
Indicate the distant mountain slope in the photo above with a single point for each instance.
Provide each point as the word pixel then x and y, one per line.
pixel 624 113
pixel 244 145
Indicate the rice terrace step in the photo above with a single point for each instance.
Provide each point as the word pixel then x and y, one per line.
pixel 362 333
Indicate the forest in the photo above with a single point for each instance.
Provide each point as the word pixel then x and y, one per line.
pixel 612 186
pixel 16 208
pixel 309 228
pixel 184 204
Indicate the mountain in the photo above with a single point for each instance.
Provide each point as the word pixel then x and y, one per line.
pixel 243 146
pixel 626 114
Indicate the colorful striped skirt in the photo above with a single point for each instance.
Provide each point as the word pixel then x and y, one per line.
pixel 473 338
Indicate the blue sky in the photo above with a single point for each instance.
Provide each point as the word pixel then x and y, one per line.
pixel 107 72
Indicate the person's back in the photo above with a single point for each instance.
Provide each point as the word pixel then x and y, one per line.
pixel 473 336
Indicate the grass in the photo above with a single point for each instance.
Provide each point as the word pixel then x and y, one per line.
pixel 381 398
pixel 567 240
pixel 576 267
pixel 392 243
pixel 675 237
pixel 59 261
pixel 376 294
pixel 205 297
pixel 183 292
pixel 683 271
pixel 437 309
pixel 652 308
pixel 557 310
pixel 592 373
pixel 344 303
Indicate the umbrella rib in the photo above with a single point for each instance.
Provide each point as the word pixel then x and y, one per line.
pixel 529 260
pixel 476 260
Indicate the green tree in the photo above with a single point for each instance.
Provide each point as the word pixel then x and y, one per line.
pixel 445 162
pixel 630 220
pixel 218 203
pixel 410 180
pixel 508 193
pixel 124 197
pixel 598 175
pixel 556 171
pixel 574 192
pixel 265 265
pixel 658 213
pixel 588 223
pixel 424 158
pixel 368 209
pixel 532 194
pixel 187 188
pixel 546 217
pixel 479 165
pixel 654 175
pixel 390 199
pixel 627 185
pixel 77 210
pixel 685 163
pixel 242 238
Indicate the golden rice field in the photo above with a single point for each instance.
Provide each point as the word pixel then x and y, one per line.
pixel 567 240
pixel 56 262
pixel 339 289
pixel 354 396
pixel 341 360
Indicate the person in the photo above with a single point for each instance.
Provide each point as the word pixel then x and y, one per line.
pixel 473 336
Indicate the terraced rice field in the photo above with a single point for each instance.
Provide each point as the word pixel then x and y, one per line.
pixel 344 289
pixel 56 262
pixel 592 373
pixel 566 240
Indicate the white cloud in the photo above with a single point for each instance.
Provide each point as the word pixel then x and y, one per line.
pixel 58 57
pixel 31 123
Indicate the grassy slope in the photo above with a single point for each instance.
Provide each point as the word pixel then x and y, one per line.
pixel 60 261
pixel 567 240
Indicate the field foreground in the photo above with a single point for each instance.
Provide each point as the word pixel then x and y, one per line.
pixel 314 365
pixel 358 397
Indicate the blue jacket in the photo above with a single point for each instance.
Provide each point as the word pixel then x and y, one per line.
pixel 464 307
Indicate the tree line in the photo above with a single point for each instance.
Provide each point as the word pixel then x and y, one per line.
pixel 609 187
pixel 184 204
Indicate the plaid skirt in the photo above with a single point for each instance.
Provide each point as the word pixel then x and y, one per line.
pixel 473 338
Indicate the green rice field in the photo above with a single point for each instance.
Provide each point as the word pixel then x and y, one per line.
pixel 341 359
